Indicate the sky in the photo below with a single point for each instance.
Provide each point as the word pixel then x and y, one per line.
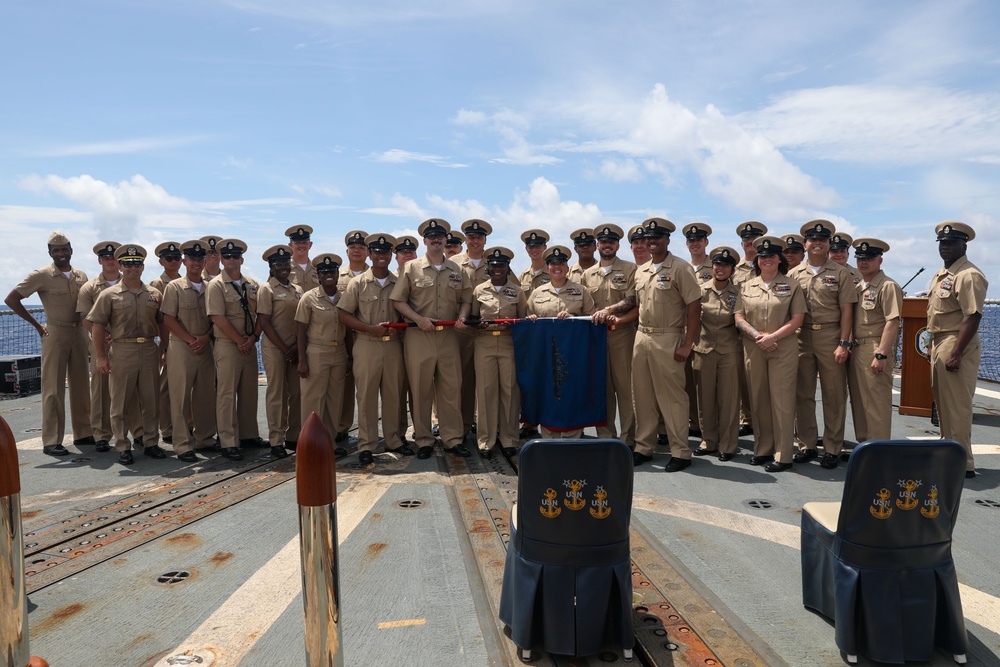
pixel 145 122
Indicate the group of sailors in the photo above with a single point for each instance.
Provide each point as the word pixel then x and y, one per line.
pixel 721 343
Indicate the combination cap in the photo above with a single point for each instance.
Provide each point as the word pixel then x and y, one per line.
pixel 557 253
pixel 168 249
pixel 434 227
pixel 355 236
pixel 299 233
pixel 950 231
pixel 769 245
pixel 724 255
pixel 870 248
pixel 477 226
pixel 326 262
pixel 131 251
pixel 498 255
pixel 277 253
pixel 697 230
pixel 106 248
pixel 609 232
pixel 841 241
pixel 455 238
pixel 211 241
pixel 194 248
pixel 750 229
pixel 636 233
pixel 817 229
pixel 380 242
pixel 658 226
pixel 794 241
pixel 535 237
pixel 583 237
pixel 405 243
pixel 232 246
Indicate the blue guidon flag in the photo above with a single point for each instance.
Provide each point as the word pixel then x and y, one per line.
pixel 561 370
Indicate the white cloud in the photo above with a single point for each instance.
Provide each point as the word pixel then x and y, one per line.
pixel 620 171
pixel 122 146
pixel 399 156
pixel 511 127
pixel 400 206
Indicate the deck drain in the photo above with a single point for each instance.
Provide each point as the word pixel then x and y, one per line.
pixel 758 504
pixel 410 504
pixel 202 657
pixel 986 502
pixel 173 578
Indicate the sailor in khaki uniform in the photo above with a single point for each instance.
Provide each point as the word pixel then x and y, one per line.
pixel 404 251
pixel 669 301
pixel 64 345
pixel 769 310
pixel 876 329
pixel 300 241
pixel 717 356
pixel 277 301
pixel 357 256
pixel 453 243
pixel 638 245
pixel 535 243
pixel 213 266
pixel 749 232
pixel 169 253
pixel 824 345
pixel 795 250
pixel 474 262
pixel 378 367
pixel 954 309
pixel 585 247
pixel 611 283
pixel 429 289
pixel 840 250
pixel 323 358
pixel 497 394
pixel 231 302
pixel 696 239
pixel 129 313
pixel 190 354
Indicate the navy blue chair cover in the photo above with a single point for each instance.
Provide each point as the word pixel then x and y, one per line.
pixel 880 564
pixel 570 542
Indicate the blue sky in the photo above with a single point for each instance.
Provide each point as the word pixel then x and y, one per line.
pixel 154 121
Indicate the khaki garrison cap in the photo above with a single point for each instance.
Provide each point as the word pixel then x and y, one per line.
pixel 106 248
pixel 58 238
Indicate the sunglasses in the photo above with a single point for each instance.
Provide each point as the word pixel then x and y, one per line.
pixel 231 255
pixel 131 263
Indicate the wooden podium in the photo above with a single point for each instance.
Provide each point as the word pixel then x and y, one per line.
pixel 915 395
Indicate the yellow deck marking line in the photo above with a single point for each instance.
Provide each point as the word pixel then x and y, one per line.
pixel 979 607
pixel 233 629
pixel 402 624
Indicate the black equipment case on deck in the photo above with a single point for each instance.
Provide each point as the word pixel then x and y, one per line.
pixel 20 375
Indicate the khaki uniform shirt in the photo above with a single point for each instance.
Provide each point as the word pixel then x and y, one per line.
pixel 368 301
pixel 530 281
pixel 279 302
pixel 89 293
pixel 718 320
pixel 59 295
pixel 322 317
pixel 477 274
pixel 956 292
pixel 306 278
pixel 767 309
pixel 608 288
pixel 187 305
pixel 223 298
pixel 703 272
pixel 206 276
pixel 882 300
pixel 573 297
pixel 665 293
pixel 576 272
pixel 855 274
pixel 743 272
pixel 491 304
pixel 825 291
pixel 346 275
pixel 161 281
pixel 128 314
pixel 432 293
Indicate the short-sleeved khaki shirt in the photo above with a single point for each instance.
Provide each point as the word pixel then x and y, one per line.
pixel 664 294
pixel 489 303
pixel 530 280
pixel 572 297
pixel 161 281
pixel 855 274
pixel 882 300
pixel 611 286
pixel 321 315
pixel 306 278
pixel 184 302
pixel 767 309
pixel 279 302
pixel 743 271
pixel 718 320
pixel 126 313
pixel 825 291
pixel 89 293
pixel 58 293
pixel 432 293
pixel 703 272
pixel 477 274
pixel 956 292
pixel 368 301
pixel 223 298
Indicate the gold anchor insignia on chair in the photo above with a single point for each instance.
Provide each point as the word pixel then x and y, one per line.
pixel 600 509
pixel 881 506
pixel 574 497
pixel 550 506
pixel 908 496
pixel 931 508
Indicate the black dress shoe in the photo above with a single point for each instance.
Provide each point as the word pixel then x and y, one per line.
pixel 168 439
pixel 339 452
pixel 486 452
pixel 774 466
pixel 704 452
pixel 278 452
pixel 760 460
pixel 341 436
pixel 425 452
pixel 663 440
pixel 829 461
pixel 527 433
pixel 125 458
pixel 365 458
pixel 970 474
pixel 254 442
pixel 405 450
pixel 55 450
pixel 458 450
pixel 102 446
pixel 89 440
pixel 291 444
pixel 726 456
pixel 676 465
pixel 805 455
pixel 232 453
pixel 638 459
pixel 154 452
pixel 188 457
pixel 510 452
pixel 745 429
pixel 845 455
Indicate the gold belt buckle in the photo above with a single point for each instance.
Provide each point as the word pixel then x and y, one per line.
pixel 386 339
pixel 439 328
pixel 816 327
pixel 335 343
pixel 611 327
pixel 496 333
pixel 141 340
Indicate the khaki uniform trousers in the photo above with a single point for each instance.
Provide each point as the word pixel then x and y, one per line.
pixel 236 394
pixel 871 394
pixel 100 405
pixel 193 399
pixel 467 352
pixel 497 394
pixel 746 416
pixel 691 387
pixel 816 354
pixel 346 419
pixel 379 372
pixel 434 372
pixel 621 341
pixel 323 390
pixel 282 398
pixel 658 392
pixel 717 378
pixel 954 392
pixel 64 354
pixel 770 375
pixel 166 418
pixel 135 371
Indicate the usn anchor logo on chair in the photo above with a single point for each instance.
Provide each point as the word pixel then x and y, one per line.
pixel 550 506
pixel 931 508
pixel 908 496
pixel 881 506
pixel 600 509
pixel 574 497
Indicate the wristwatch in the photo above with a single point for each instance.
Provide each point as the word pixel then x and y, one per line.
pixel 880 356
pixel 845 343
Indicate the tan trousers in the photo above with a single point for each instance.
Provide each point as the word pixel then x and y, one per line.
pixel 771 376
pixel 953 392
pixel 236 394
pixel 816 355
pixel 378 372
pixel 467 352
pixel 433 367
pixel 323 390
pixel 718 385
pixel 871 394
pixel 619 378
pixel 193 399
pixel 166 418
pixel 346 419
pixel 135 371
pixel 497 394
pixel 658 391
pixel 100 405
pixel 282 399
pixel 64 355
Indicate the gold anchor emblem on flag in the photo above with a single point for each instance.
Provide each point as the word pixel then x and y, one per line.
pixel 600 509
pixel 881 506
pixel 550 506
pixel 908 496
pixel 931 507
pixel 574 497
